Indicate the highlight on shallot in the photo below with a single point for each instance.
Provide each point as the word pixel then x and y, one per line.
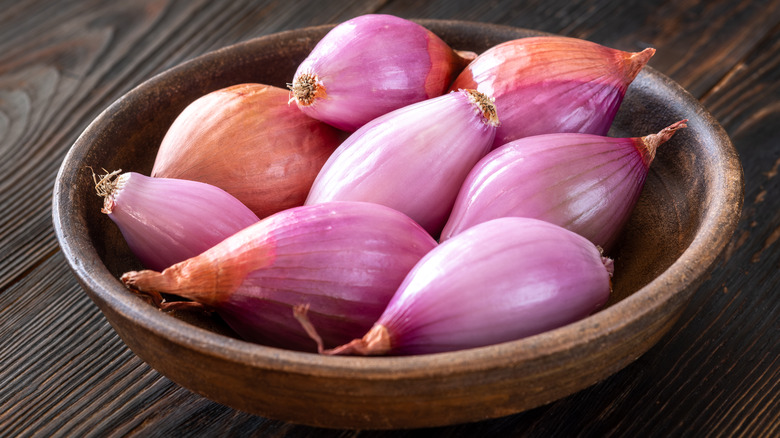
pixel 344 259
pixel 586 183
pixel 247 140
pixel 370 65
pixel 553 84
pixel 498 281
pixel 413 159
pixel 167 220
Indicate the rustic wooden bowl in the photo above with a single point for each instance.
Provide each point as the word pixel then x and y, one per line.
pixel 686 215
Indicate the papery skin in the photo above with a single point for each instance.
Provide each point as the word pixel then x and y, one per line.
pixel 165 221
pixel 373 64
pixel 247 140
pixel 498 281
pixel 413 159
pixel 552 84
pixel 343 259
pixel 586 183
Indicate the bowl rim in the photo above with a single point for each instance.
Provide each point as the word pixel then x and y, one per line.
pixel 675 284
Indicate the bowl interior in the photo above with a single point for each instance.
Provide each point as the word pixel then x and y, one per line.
pixel 664 222
pixel 694 188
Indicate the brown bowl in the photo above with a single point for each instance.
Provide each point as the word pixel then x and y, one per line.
pixel 686 215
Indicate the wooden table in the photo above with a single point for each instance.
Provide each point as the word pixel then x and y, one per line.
pixel 64 371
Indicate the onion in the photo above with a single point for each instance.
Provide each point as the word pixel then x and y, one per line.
pixel 413 159
pixel 586 183
pixel 553 84
pixel 165 220
pixel 344 259
pixel 247 140
pixel 371 65
pixel 498 281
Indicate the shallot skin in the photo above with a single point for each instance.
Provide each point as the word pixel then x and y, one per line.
pixel 344 259
pixel 498 281
pixel 586 183
pixel 553 84
pixel 370 65
pixel 166 220
pixel 413 159
pixel 247 140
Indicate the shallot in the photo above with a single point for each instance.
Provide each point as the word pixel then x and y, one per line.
pixel 498 281
pixel 344 259
pixel 552 84
pixel 413 159
pixel 586 183
pixel 370 65
pixel 247 140
pixel 167 220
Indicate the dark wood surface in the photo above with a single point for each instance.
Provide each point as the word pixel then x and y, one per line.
pixel 64 371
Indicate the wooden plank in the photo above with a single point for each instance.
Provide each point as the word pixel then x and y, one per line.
pixel 65 372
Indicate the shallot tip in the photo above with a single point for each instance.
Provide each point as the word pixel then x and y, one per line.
pixel 376 341
pixel 150 296
pixel 652 141
pixel 667 132
pixel 132 279
pixel 637 62
pixel 147 281
pixel 466 56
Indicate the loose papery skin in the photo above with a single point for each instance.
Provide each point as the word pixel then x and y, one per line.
pixel 413 159
pixel 586 183
pixel 552 84
pixel 166 220
pixel 343 259
pixel 370 65
pixel 247 140
pixel 499 281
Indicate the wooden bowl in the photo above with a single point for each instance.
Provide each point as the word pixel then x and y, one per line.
pixel 686 215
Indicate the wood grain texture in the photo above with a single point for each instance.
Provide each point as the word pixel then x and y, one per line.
pixel 64 372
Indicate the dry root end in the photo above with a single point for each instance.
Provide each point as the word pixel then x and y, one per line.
pixel 485 105
pixel 105 186
pixel 306 88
